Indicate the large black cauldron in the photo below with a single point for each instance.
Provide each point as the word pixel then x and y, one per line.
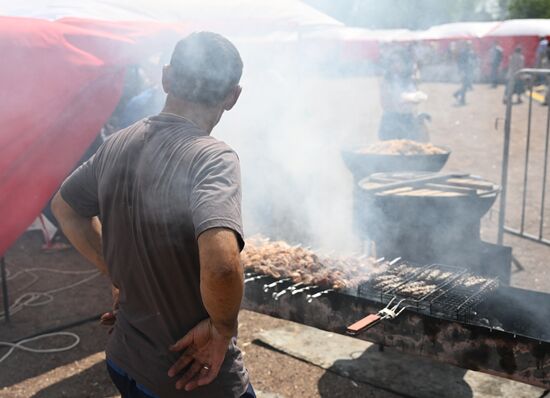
pixel 428 222
pixel 362 165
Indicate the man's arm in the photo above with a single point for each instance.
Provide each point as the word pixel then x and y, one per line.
pixel 222 288
pixel 221 278
pixel 83 232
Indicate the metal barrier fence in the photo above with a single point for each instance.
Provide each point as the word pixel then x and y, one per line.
pixel 530 77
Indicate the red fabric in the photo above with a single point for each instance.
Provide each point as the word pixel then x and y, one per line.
pixel 528 46
pixel 59 84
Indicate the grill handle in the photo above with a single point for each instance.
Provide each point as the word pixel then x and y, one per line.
pixel 366 323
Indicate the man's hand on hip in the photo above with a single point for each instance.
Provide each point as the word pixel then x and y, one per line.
pixel 221 290
pixel 109 318
pixel 205 349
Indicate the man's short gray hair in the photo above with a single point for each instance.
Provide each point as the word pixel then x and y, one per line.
pixel 206 67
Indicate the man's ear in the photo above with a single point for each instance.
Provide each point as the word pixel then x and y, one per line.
pixel 166 78
pixel 232 98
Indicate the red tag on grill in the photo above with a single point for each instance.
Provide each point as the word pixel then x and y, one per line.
pixel 365 323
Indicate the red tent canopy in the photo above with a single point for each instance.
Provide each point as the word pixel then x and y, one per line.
pixel 60 83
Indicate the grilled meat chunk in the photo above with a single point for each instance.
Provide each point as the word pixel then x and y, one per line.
pixel 279 259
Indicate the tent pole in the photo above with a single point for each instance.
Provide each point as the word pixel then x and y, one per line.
pixel 5 290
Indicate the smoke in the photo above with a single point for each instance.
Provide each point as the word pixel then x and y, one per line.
pixel 294 117
pixel 289 129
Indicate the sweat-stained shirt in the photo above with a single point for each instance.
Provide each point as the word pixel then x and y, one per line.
pixel 156 186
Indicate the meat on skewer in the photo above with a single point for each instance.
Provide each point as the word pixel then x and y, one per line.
pixel 301 265
pixel 279 259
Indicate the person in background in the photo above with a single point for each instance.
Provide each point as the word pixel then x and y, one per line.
pixel 149 102
pixel 540 52
pixel 150 97
pixel 545 64
pixel 158 210
pixel 399 98
pixel 516 62
pixel 134 84
pixel 495 59
pixel 541 59
pixel 465 66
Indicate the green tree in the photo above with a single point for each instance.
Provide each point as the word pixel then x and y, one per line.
pixel 529 8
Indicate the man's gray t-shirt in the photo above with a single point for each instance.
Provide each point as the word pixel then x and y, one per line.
pixel 156 186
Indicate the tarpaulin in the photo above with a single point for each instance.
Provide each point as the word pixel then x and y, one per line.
pixel 59 83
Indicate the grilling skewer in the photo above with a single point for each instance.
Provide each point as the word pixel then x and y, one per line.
pixel 256 277
pixel 286 290
pixel 395 260
pixel 303 289
pixel 310 297
pixel 272 285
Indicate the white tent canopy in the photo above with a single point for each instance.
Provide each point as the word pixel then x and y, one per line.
pixel 260 16
pixel 457 30
pixel 523 27
pixel 285 13
pixel 358 34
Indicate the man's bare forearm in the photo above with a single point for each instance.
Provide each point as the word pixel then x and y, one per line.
pixel 84 233
pixel 222 283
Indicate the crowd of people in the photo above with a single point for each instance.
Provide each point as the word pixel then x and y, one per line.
pixel 403 66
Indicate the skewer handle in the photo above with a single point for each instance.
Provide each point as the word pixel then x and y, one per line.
pixel 366 323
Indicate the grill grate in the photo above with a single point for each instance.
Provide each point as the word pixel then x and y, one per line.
pixel 437 289
pixel 460 300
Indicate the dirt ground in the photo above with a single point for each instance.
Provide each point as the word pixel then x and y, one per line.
pixel 476 144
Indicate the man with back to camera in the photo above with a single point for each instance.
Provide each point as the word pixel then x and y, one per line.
pixel 158 209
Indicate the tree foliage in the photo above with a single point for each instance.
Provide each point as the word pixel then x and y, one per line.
pixel 529 8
